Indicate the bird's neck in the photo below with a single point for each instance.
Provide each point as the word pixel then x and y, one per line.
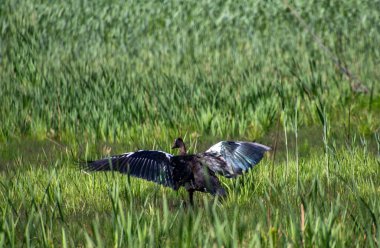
pixel 182 150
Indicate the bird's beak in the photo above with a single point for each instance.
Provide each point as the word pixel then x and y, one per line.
pixel 173 147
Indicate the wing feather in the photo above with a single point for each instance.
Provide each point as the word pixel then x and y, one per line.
pixel 153 171
pixel 153 166
pixel 143 169
pixel 233 158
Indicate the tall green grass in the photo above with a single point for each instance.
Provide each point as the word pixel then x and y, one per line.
pixel 61 206
pixel 113 69
pixel 82 79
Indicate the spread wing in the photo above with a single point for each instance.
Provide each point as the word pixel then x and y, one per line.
pixel 150 165
pixel 232 158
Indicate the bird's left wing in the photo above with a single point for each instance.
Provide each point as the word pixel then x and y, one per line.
pixel 150 165
pixel 232 158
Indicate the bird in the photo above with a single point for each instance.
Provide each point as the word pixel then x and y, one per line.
pixel 194 172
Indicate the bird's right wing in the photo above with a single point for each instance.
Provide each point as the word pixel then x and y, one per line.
pixel 232 158
pixel 150 165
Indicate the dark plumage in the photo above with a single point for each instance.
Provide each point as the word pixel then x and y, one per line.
pixel 196 172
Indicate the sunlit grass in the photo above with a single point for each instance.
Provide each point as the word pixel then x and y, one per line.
pixel 84 80
pixel 39 204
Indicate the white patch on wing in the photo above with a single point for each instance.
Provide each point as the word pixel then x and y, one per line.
pixel 128 154
pixel 266 148
pixel 215 148
pixel 262 146
pixel 168 155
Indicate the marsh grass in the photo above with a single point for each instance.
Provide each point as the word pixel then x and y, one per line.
pixel 62 205
pixel 86 79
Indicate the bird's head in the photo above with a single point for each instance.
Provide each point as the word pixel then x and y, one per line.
pixel 178 143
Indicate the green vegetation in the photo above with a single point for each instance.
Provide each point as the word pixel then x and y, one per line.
pixel 83 79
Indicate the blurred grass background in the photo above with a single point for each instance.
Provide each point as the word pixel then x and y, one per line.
pixel 113 69
pixel 85 79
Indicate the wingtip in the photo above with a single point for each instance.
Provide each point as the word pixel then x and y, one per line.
pixel 84 165
pixel 264 147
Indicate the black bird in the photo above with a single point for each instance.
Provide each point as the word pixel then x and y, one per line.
pixel 195 172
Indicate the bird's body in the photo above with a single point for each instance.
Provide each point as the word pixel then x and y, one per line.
pixel 196 172
pixel 190 173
